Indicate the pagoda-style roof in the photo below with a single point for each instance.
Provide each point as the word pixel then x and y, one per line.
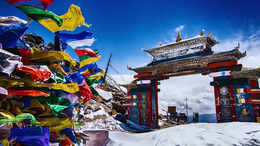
pixel 190 65
pixel 181 48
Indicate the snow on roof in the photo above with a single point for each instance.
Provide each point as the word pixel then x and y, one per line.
pixel 173 43
pixel 179 42
pixel 104 94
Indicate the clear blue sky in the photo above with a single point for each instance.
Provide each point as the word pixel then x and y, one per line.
pixel 123 27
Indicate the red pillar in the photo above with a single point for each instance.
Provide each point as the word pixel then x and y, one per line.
pixel 254 85
pixel 232 102
pixel 149 107
pixel 139 96
pixel 216 92
pixel 156 96
pixel 129 101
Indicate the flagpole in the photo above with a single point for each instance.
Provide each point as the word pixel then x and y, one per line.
pixel 57 43
pixel 108 63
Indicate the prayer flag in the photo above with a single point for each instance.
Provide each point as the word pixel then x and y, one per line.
pixel 71 19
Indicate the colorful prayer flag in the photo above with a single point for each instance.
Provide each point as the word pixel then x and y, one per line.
pixel 41 57
pixel 85 52
pixel 71 19
pixel 79 36
pixel 16 1
pixel 36 75
pixel 19 118
pixel 70 87
pixel 40 14
pixel 81 43
pixel 89 60
pixel 99 76
pixel 86 56
pixel 33 136
pixel 27 92
pixel 85 92
pixel 46 3
pixel 88 68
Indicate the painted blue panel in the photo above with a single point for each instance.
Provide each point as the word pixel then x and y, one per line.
pixel 134 112
pixel 244 111
pixel 144 112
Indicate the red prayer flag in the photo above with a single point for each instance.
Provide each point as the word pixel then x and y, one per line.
pixel 36 75
pixel 16 1
pixel 27 92
pixel 85 92
pixel 25 54
pixel 85 52
pixel 46 3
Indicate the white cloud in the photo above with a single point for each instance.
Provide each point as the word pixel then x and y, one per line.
pixel 197 87
pixel 179 28
pixel 123 79
pixel 249 44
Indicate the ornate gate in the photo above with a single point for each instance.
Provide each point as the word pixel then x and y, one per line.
pixel 195 56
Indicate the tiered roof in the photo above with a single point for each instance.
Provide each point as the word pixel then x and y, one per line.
pixel 166 61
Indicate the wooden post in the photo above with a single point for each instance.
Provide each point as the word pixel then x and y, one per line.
pixel 57 43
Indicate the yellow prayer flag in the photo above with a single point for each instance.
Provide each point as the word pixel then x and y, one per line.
pixel 5 142
pixel 8 83
pixel 57 68
pixel 71 19
pixel 98 75
pixel 6 115
pixel 238 91
pixel 88 61
pixel 56 124
pixel 69 87
pixel 51 57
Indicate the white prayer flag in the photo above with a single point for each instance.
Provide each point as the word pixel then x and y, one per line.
pixel 81 43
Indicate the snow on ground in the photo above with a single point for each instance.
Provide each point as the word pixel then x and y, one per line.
pixel 201 134
pixel 98 118
pixel 107 124
pixel 104 94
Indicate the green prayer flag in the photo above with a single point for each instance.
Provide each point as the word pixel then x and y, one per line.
pixel 19 118
pixel 39 14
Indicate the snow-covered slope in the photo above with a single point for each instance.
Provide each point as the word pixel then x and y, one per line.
pixel 96 117
pixel 202 134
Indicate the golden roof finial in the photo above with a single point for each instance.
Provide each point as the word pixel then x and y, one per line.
pixel 202 32
pixel 178 38
pixel 238 46
pixel 160 43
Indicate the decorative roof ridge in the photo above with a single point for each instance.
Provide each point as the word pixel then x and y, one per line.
pixel 179 42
